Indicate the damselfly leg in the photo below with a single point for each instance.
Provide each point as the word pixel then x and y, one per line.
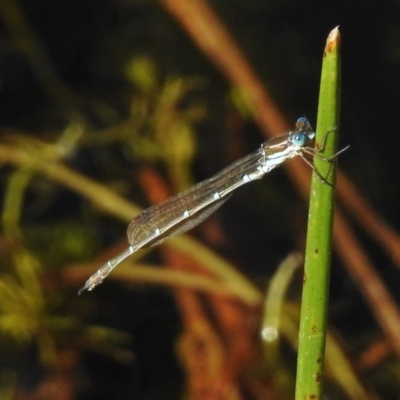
pixel 313 151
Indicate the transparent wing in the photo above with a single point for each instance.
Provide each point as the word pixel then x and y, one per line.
pixel 185 210
pixel 182 212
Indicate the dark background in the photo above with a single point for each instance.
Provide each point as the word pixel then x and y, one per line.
pixel 87 43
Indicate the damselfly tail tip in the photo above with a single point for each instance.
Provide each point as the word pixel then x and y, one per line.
pixel 81 290
pixel 88 286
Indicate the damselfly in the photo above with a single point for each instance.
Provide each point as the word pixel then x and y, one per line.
pixel 185 210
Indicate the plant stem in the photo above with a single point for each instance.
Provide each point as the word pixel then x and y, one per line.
pixel 313 319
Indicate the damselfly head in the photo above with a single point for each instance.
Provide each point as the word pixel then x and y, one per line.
pixel 303 125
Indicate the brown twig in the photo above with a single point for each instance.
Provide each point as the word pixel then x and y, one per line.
pixel 373 289
pixel 366 216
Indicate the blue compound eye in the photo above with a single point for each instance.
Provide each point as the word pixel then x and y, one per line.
pixel 299 139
